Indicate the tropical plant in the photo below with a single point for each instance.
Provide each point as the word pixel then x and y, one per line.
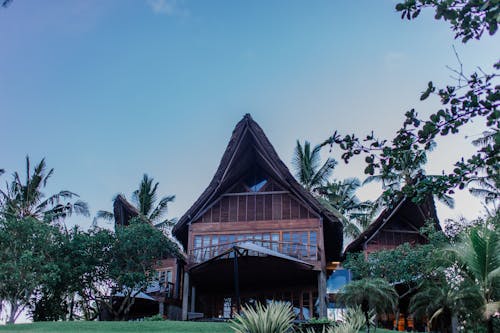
pixel 352 321
pixel 275 317
pixel 26 199
pixel 134 253
pixel 440 300
pixel 478 254
pixel 370 294
pixel 25 262
pixel 145 198
pixel 339 196
pixel 309 171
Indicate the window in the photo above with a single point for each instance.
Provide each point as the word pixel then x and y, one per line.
pixel 169 276
pixel 255 181
pixel 161 278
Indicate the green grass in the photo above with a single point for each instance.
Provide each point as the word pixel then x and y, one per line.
pixel 125 327
pixel 121 327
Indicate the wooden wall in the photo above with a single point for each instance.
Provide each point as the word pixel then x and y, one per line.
pixel 256 207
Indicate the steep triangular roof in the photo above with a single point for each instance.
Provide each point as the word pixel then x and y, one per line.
pixel 425 210
pixel 249 145
pixel 123 211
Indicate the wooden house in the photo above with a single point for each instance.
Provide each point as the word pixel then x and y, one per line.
pixel 396 225
pixel 255 235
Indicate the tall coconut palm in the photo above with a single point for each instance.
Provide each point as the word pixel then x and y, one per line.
pixel 340 197
pixel 145 200
pixel 308 168
pixel 478 253
pixel 370 294
pixel 22 199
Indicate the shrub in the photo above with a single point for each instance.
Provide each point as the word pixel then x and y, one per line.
pixel 276 317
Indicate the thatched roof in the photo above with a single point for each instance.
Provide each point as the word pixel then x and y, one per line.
pixel 249 146
pixel 123 210
pixel 416 214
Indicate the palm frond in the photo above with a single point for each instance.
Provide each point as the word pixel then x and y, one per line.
pixel 104 215
pixel 161 208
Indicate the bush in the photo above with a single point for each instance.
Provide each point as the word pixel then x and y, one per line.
pixel 276 317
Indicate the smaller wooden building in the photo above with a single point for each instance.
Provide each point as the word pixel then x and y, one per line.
pixel 163 297
pixel 396 225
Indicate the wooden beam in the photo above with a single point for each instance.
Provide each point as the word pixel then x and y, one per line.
pixel 185 296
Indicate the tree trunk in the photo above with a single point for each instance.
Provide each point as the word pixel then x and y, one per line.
pixel 396 320
pixel 367 318
pixel 489 324
pixel 14 307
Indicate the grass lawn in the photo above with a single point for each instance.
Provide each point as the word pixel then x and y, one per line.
pixel 125 327
pixel 122 327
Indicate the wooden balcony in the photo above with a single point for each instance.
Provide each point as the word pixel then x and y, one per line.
pixel 296 250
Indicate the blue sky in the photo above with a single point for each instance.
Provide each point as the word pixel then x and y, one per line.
pixel 109 89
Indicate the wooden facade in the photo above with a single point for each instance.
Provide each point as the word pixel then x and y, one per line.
pixel 253 199
pixel 395 226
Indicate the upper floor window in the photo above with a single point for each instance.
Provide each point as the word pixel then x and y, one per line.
pixel 255 180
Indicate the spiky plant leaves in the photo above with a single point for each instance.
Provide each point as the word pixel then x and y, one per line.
pixel 275 317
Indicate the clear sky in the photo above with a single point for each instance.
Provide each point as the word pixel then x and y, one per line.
pixel 107 90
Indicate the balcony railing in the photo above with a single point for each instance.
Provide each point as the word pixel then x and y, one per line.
pixel 299 251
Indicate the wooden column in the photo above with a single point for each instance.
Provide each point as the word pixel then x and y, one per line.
pixel 193 298
pixel 322 294
pixel 185 296
pixel 161 308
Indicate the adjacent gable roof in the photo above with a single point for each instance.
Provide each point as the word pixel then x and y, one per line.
pixel 249 145
pixel 422 212
pixel 123 211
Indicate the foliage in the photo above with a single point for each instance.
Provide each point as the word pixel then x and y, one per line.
pixel 406 265
pixel 81 259
pixel 353 320
pixel 438 300
pixel 26 199
pixel 25 263
pixel 374 294
pixel 473 97
pixel 336 195
pixel 340 197
pixel 135 251
pixel 275 317
pixel 308 168
pixel 478 255
pixel 469 19
pixel 157 317
pixel 144 199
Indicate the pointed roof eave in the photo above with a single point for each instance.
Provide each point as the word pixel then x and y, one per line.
pixel 270 155
pixel 385 216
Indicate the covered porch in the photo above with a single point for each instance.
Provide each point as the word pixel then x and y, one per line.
pixel 248 273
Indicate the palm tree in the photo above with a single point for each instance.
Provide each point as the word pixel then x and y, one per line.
pixel 370 294
pixel 308 168
pixel 144 199
pixel 26 199
pixel 408 170
pixel 340 197
pixel 487 186
pixel 440 302
pixel 478 253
